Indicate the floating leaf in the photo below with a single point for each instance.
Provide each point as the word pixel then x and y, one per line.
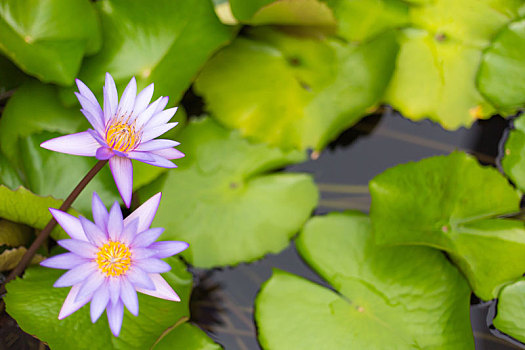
pixel 503 59
pixel 8 174
pixel 284 12
pixel 224 203
pixel 359 20
pixel 187 337
pixel 438 62
pixel 293 91
pixel 10 76
pixel 9 258
pixel 33 115
pixel 513 161
pixel 386 297
pixel 13 234
pixel 27 208
pixel 48 39
pixel 40 316
pixel 165 42
pixel 452 203
pixel 510 318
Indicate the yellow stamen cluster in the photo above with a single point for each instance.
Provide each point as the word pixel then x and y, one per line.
pixel 113 258
pixel 121 136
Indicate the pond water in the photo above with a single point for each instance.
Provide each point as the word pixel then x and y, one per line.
pixel 223 299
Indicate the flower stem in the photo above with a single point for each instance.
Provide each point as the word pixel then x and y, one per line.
pixel 44 234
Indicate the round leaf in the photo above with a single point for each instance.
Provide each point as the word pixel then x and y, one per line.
pixel 188 337
pixel 40 316
pixel 385 297
pixel 293 91
pixel 222 201
pixel 510 318
pixel 451 203
pixel 27 208
pixel 503 59
pixel 438 62
pixel 48 38
pixel 513 161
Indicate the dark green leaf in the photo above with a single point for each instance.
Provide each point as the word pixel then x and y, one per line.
pixel 48 38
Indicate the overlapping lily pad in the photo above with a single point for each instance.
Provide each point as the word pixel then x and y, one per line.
pixel 439 59
pixel 48 38
pixel 40 316
pixel 303 91
pixel 510 318
pixel 24 207
pixel 224 203
pixel 187 337
pixel 284 12
pixel 513 161
pixel 503 59
pixel 452 203
pixel 385 297
pixel 165 42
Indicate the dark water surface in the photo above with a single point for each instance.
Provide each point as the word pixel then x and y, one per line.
pixel 222 303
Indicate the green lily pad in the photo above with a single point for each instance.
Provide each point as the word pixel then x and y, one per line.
pixel 360 20
pixel 292 91
pixel 48 39
pixel 9 176
pixel 283 12
pixel 165 42
pixel 385 297
pixel 436 70
pixel 222 201
pixel 513 161
pixel 509 318
pixel 188 337
pixel 24 207
pixel 504 59
pixel 10 76
pixel 452 203
pixel 40 316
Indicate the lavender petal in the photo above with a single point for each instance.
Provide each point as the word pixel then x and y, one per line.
pixel 162 289
pixel 82 248
pixel 164 249
pixel 128 295
pixel 75 275
pixel 127 101
pixel 145 213
pixel 110 98
pixel 94 234
pixel 147 237
pixel 80 144
pixel 122 171
pixel 115 313
pixel 70 305
pixel 139 278
pixel 100 214
pixel 70 224
pixel 64 261
pixel 99 302
pixel 153 265
pixel 115 222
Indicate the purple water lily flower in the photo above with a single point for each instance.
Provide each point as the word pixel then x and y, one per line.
pixel 122 131
pixel 113 259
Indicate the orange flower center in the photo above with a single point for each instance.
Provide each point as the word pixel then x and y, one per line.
pixel 113 258
pixel 122 136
